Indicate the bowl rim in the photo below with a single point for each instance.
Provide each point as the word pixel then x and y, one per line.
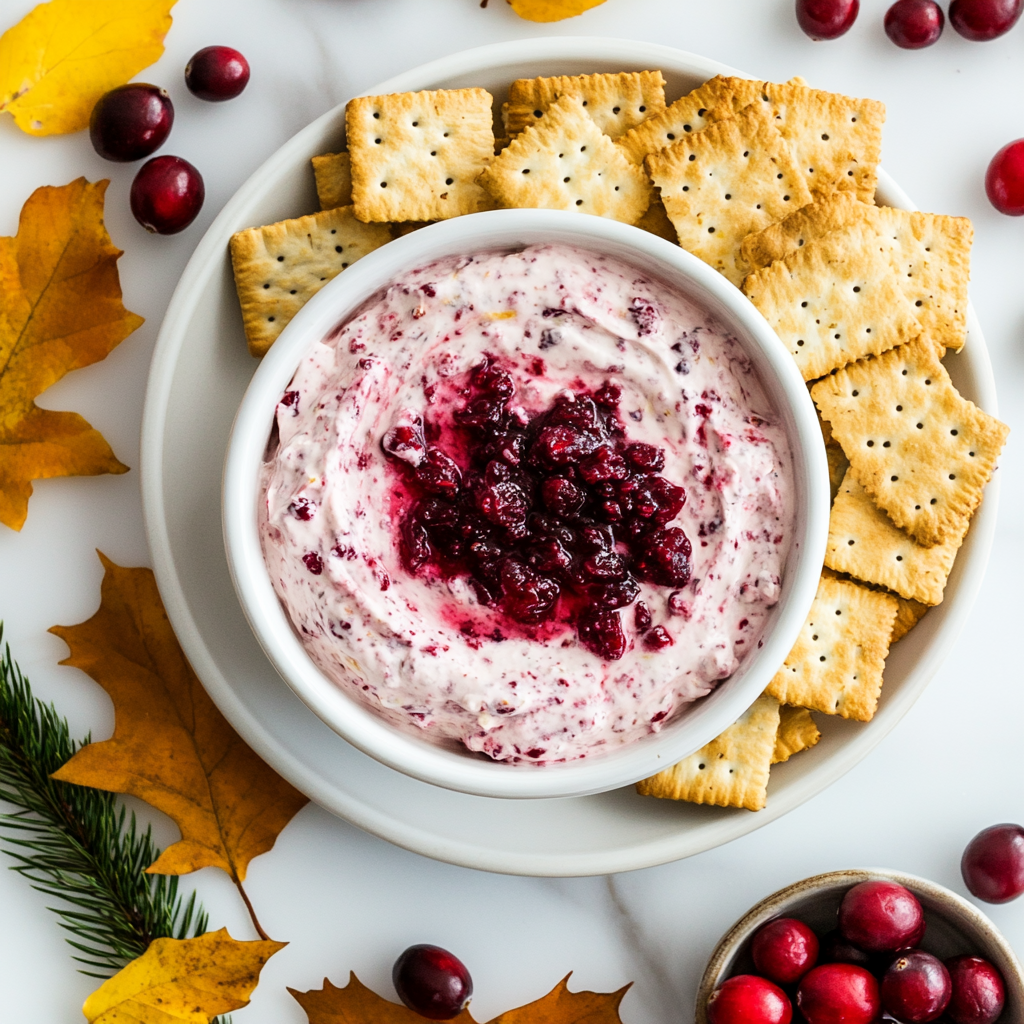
pixel 931 894
pixel 418 757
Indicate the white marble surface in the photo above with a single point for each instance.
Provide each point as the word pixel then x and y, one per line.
pixel 344 900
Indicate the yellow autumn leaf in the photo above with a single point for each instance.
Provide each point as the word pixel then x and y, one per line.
pixel 552 10
pixel 182 980
pixel 171 746
pixel 63 56
pixel 60 310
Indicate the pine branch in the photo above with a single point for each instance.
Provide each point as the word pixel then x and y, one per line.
pixel 78 845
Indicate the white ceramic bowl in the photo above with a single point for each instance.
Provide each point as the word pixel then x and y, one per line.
pixel 506 230
pixel 955 927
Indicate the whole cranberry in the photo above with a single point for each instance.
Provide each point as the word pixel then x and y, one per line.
pixel 1004 180
pixel 167 194
pixel 914 24
pixel 432 982
pixel 834 949
pixel 993 863
pixel 880 915
pixel 784 950
pixel 217 73
pixel 131 121
pixel 748 999
pixel 838 994
pixel 978 991
pixel 826 19
pixel 916 987
pixel 981 20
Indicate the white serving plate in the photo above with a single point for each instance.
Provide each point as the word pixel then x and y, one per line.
pixel 199 373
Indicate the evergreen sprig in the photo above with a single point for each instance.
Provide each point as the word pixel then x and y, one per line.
pixel 79 845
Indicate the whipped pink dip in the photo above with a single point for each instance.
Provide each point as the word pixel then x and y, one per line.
pixel 421 647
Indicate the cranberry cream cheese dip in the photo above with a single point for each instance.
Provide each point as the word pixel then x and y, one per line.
pixel 533 503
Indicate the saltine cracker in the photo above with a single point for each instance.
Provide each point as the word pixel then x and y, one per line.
pixel 930 254
pixel 832 303
pixel 921 450
pixel 280 266
pixel 333 174
pixel 864 542
pixel 721 184
pixel 836 664
pixel 416 156
pixel 797 732
pixel 565 162
pixel 732 770
pixel 615 102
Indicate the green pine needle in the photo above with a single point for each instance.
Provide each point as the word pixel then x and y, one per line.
pixel 78 845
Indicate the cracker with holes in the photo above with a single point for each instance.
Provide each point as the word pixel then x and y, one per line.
pixel 836 139
pixel 566 163
pixel 930 254
pixel 797 732
pixel 715 100
pixel 616 103
pixel 921 450
pixel 721 184
pixel 732 770
pixel 864 542
pixel 836 664
pixel 416 156
pixel 831 303
pixel 279 267
pixel 333 173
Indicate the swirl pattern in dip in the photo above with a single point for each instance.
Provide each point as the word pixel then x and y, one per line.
pixel 432 646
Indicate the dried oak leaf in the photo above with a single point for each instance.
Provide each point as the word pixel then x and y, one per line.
pixel 60 309
pixel 356 1004
pixel 551 10
pixel 171 746
pixel 187 980
pixel 63 56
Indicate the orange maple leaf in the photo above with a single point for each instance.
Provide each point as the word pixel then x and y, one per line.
pixel 60 309
pixel 356 1004
pixel 171 746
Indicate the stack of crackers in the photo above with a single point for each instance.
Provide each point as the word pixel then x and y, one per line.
pixel 773 185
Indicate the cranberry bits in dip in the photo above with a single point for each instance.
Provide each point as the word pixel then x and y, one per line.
pixel 533 503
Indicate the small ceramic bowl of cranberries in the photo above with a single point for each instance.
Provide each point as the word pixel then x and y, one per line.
pixel 862 947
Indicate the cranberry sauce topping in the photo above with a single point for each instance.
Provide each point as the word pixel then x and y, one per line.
pixel 556 518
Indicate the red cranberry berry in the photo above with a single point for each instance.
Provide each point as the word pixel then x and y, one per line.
pixel 748 999
pixel 981 20
pixel 1004 180
pixel 130 122
pixel 914 24
pixel 555 518
pixel 826 19
pixel 167 194
pixel 217 73
pixel 993 864
pixel 838 994
pixel 432 982
pixel 880 915
pixel 834 949
pixel 978 991
pixel 916 987
pixel 784 950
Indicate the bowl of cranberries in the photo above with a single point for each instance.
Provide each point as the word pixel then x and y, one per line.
pixel 862 947
pixel 611 630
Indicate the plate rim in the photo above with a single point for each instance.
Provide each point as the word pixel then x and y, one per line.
pixel 208 256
